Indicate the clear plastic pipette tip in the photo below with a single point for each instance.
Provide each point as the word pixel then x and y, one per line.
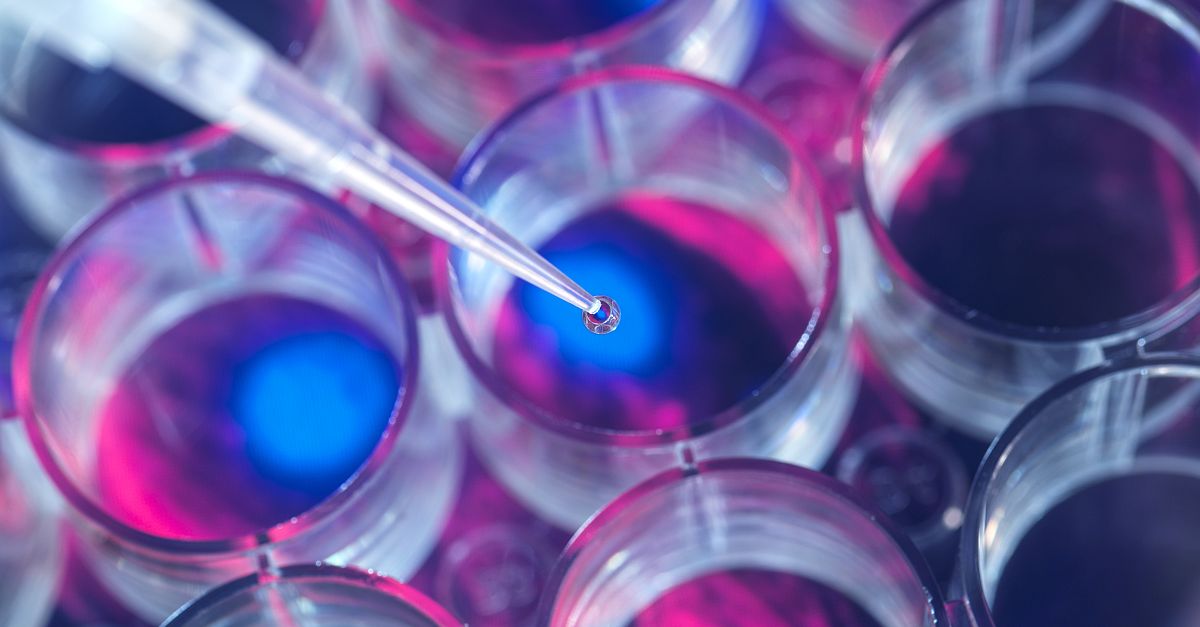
pixel 190 53
pixel 605 318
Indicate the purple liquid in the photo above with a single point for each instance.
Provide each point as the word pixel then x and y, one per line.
pixel 534 21
pixel 753 598
pixel 102 107
pixel 242 416
pixel 1120 553
pixel 1050 216
pixel 710 310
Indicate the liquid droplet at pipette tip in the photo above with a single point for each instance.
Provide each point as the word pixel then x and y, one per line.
pixel 605 319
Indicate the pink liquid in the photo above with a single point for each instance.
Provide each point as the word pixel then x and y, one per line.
pixel 242 416
pixel 710 310
pixel 753 598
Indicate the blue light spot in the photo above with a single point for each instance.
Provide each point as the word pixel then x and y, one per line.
pixel 640 343
pixel 618 10
pixel 313 408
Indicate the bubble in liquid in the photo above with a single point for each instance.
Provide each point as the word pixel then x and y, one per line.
pixel 606 319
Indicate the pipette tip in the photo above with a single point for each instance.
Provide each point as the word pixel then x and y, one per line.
pixel 605 318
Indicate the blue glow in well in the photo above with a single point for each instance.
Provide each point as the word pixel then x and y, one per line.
pixel 313 408
pixel 618 10
pixel 640 343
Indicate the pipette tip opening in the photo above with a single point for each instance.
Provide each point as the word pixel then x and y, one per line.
pixel 604 318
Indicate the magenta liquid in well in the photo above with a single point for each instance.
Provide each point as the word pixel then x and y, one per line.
pixel 711 309
pixel 753 598
pixel 243 415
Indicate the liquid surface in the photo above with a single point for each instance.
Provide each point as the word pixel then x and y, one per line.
pixel 534 21
pixel 753 598
pixel 102 107
pixel 710 310
pixel 242 416
pixel 1049 216
pixel 1119 553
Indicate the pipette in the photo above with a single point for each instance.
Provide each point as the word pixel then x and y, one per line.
pixel 205 62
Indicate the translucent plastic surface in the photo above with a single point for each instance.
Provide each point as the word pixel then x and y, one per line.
pixel 1092 487
pixel 313 596
pixel 731 515
pixel 238 353
pixel 31 540
pixel 99 135
pixel 455 79
pixel 693 220
pixel 201 60
pixel 857 29
pixel 1028 197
